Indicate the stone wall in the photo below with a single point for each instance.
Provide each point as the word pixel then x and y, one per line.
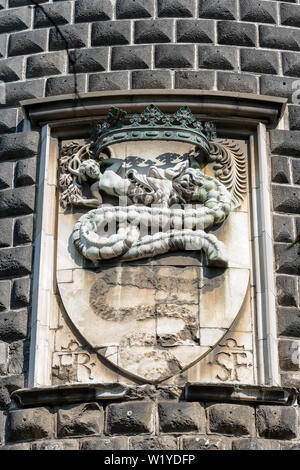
pixel 229 45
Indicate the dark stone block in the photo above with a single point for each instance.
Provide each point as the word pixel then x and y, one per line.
pixel 11 69
pixel 231 419
pixel 18 357
pixel 93 10
pixel 175 56
pixel 253 60
pixel 286 199
pixel 23 446
pixel 8 120
pixel 294 115
pixel 131 57
pixel 108 81
pixel 13 325
pixel 109 443
pixel 285 142
pixel 217 57
pixel 296 171
pixel 6 174
pixel 153 443
pixel 176 8
pixel 180 417
pixel 16 92
pixel 86 418
pixel 151 79
pixel 6 232
pixel 289 355
pixel 218 9
pixel 204 443
pixel 25 173
pixel 3 43
pixel 28 424
pixel 279 38
pixel 255 444
pixel 277 86
pixel 277 422
pixel 65 85
pixel 152 31
pixel 5 287
pixel 241 83
pixel 25 144
pixel 258 11
pixel 289 322
pixel 236 34
pixel 195 80
pixel 17 201
pixel 290 14
pixel 59 13
pixel 46 64
pixel 280 170
pixel 127 9
pixel 88 60
pixel 291 64
pixel 111 33
pixel 287 260
pixel 130 418
pixel 15 261
pixel 74 36
pixel 195 31
pixel 15 20
pixel 283 229
pixel 62 444
pixel 21 292
pixel 19 3
pixel 28 42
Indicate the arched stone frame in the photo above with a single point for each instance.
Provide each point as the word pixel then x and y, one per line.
pixel 238 116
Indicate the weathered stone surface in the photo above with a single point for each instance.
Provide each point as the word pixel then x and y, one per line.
pixel 18 91
pixel 21 292
pixel 236 34
pixel 4 398
pixel 257 11
pixel 196 31
pixel 35 423
pixel 130 418
pixel 131 57
pixel 17 201
pixel 111 443
pixel 181 417
pixel 174 56
pixel 65 85
pixel 4 352
pixel 92 10
pixel 176 8
pixel 75 36
pixel 28 42
pixel 152 31
pixel 19 3
pixel 294 117
pixel 3 42
pixel 111 33
pixel 5 287
pixel 23 446
pixel 53 63
pixel 279 38
pixel 231 419
pixel 283 229
pixel 6 174
pixel 153 443
pixel 287 291
pixel 2 427
pixel 290 14
pixel 218 9
pixel 8 122
pixel 7 386
pixel 277 422
pixel 286 199
pixel 62 444
pixel 23 232
pixel 281 170
pixel 277 86
pixel 289 445
pixel 15 261
pixel 6 230
pixel 74 420
pixel 11 69
pixel 195 80
pixel 25 173
pixel 220 57
pixel 151 79
pixel 289 322
pixel 205 443
pixel 13 325
pixel 255 444
pixel 289 358
pixel 59 13
pixel 291 64
pixel 242 83
pixel 109 81
pixel 18 357
pixel 14 20
pixel 285 142
pixel 296 171
pixel 19 145
pixel 135 8
pixel 88 60
pixel 287 260
pixel 258 61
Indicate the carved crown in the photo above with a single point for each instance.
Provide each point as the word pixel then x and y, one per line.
pixel 153 124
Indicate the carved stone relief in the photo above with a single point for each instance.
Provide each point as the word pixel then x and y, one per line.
pixel 153 250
